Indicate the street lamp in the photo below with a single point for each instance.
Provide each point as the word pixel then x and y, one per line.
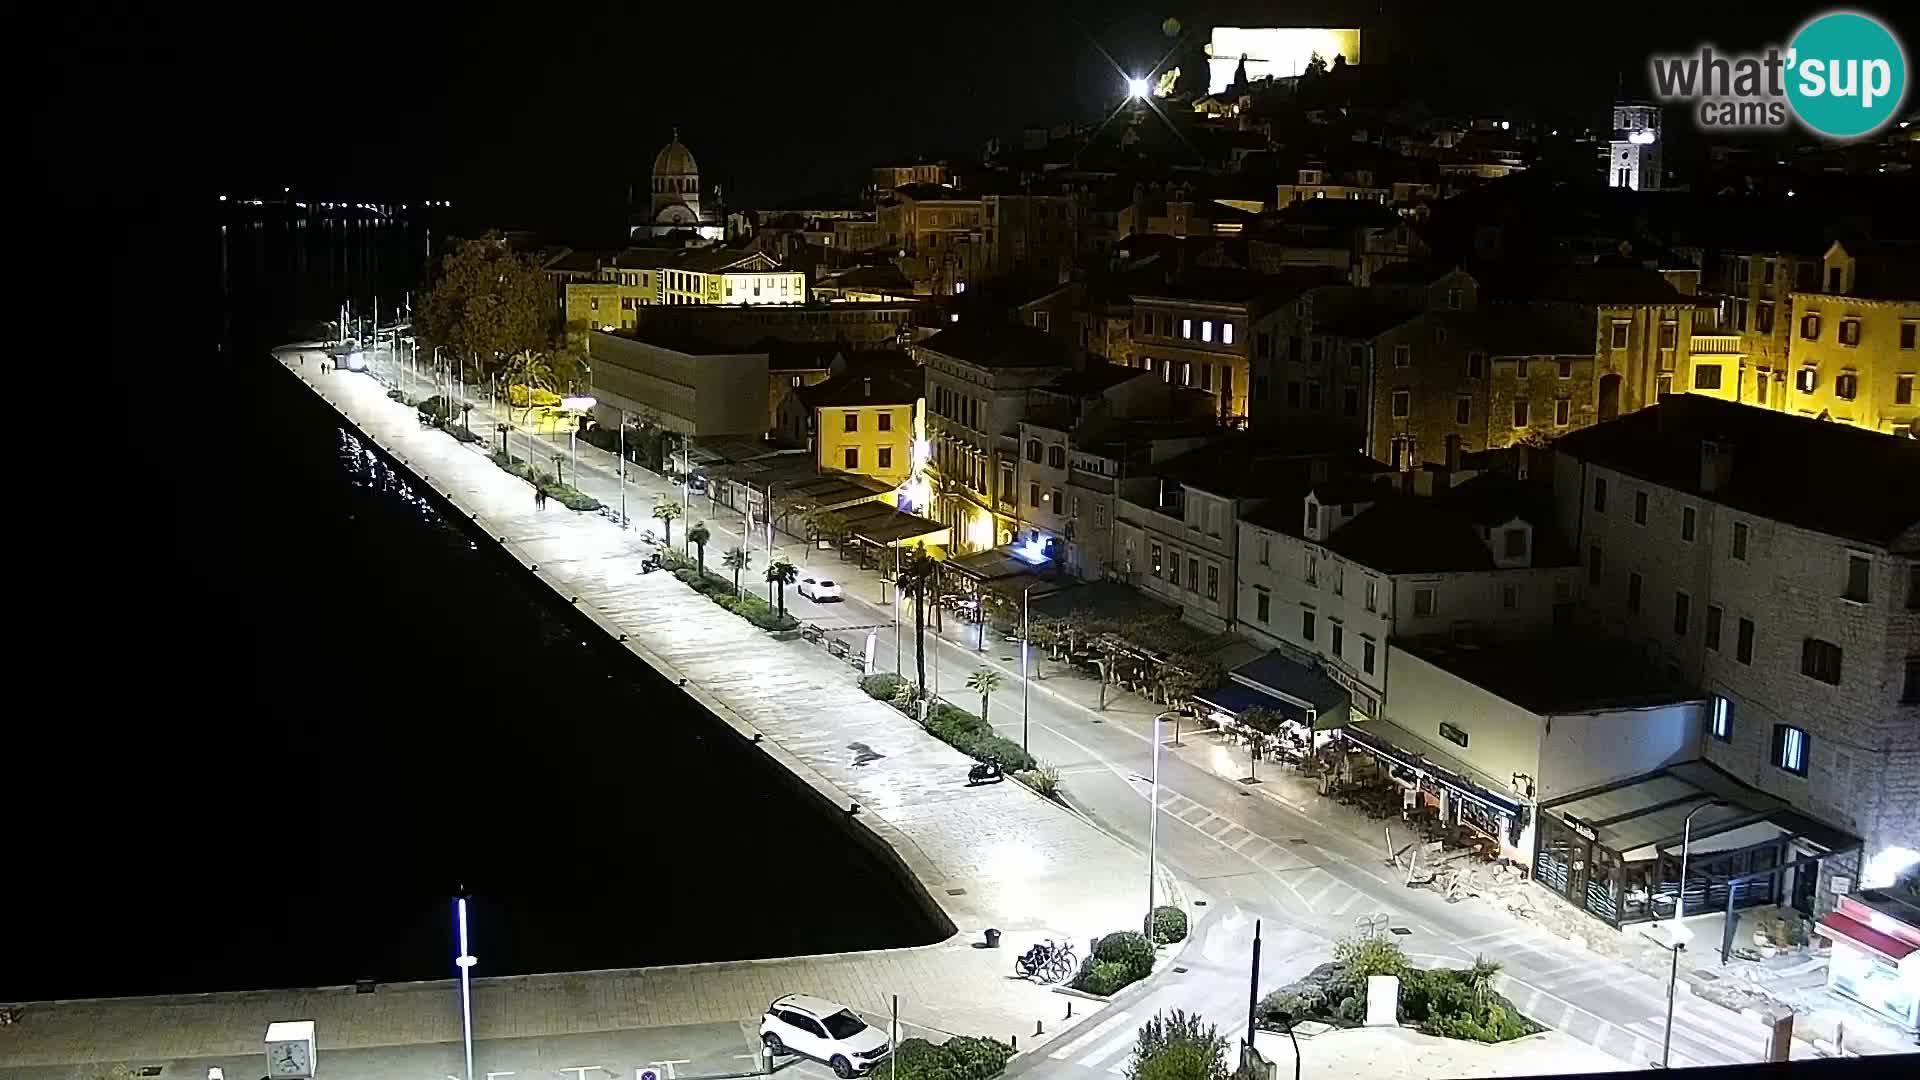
pixel 1137 88
pixel 1686 841
pixel 1287 1019
pixel 1024 679
pixel 1678 934
pixel 770 486
pixel 579 405
pixel 1153 823
pixel 465 962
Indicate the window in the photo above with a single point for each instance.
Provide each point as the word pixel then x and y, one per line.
pixel 1687 522
pixel 1743 642
pixel 886 421
pixel 1402 404
pixel 1910 690
pixel 1402 356
pixel 1633 593
pixel 1516 543
pixel 1669 335
pixel 852 458
pixel 1662 387
pixel 1806 380
pixel 1566 369
pixel 1519 412
pixel 1057 457
pixel 1760 386
pixel 1213 582
pixel 1453 299
pixel 1313 522
pixel 1810 326
pixel 1193 574
pixel 1682 612
pixel 1462 410
pixel 1763 317
pixel 1033 451
pixel 1313 395
pixel 1846 386
pixel 1593 565
pixel 1903 389
pixel 1859 579
pixel 1033 494
pixel 1339 638
pixel 1206 329
pixel 1562 412
pixel 1424 601
pixel 1312 570
pixel 1186 328
pixel 1262 605
pixel 1366 657
pixel 852 421
pixel 1619 339
pixel 1306 624
pixel 1599 494
pixel 1226 333
pixel 1293 393
pixel 1173 566
pixel 1355 356
pixel 1373 594
pixel 1639 508
pixel 1790 749
pixel 1350 400
pixel 1520 367
pixel 1720 721
pixel 1740 540
pixel 1714 614
pixel 1913 587
pixel 1154 552
pixel 1476 365
pixel 886 458
pixel 1509 596
pixel 1706 376
pixel 1849 331
pixel 1266 551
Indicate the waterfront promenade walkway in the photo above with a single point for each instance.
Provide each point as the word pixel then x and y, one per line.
pixel 997 856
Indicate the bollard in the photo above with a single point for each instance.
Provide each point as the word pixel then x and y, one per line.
pixel 1069 1015
pixel 1016 1044
pixel 1037 1029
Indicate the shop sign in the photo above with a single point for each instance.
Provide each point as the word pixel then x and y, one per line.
pixel 1363 698
pixel 1580 827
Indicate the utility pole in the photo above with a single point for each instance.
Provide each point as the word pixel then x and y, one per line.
pixel 1253 985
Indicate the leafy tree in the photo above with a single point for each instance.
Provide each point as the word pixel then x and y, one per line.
pixel 532 370
pixel 666 510
pixel 984 682
pixel 486 303
pixel 827 523
pixel 782 574
pixel 698 537
pixel 737 559
pixel 1177 1045
pixel 917 570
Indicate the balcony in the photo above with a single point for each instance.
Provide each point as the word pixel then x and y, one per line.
pixel 1715 344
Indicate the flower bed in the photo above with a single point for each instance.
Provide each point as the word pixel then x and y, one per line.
pixel 1455 1004
pixel 720 590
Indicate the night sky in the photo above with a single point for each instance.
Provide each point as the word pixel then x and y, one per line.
pixel 536 113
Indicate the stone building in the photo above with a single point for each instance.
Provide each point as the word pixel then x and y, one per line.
pixel 1856 341
pixel 674 198
pixel 1772 561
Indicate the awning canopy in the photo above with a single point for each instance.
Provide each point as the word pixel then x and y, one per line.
pixel 1886 946
pixel 882 524
pixel 984 566
pixel 1302 684
pixel 1643 816
pixel 1235 699
pixel 1382 739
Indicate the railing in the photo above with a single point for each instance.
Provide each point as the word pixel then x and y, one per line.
pixel 1715 344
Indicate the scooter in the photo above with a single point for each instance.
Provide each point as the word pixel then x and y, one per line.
pixel 987 772
pixel 651 563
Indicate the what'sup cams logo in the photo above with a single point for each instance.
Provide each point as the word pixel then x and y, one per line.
pixel 1843 76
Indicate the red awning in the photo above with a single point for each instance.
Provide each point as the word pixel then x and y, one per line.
pixel 1837 925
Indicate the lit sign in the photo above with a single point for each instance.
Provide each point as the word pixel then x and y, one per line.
pixel 1033 549
pixel 1642 138
pixel 1580 827
pixel 1276 52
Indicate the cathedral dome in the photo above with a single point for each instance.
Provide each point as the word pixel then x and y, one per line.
pixel 675 160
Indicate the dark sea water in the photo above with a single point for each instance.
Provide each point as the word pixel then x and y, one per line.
pixel 306 709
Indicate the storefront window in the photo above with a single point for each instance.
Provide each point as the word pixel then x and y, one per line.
pixel 1562 865
pixel 1872 982
pixel 1636 890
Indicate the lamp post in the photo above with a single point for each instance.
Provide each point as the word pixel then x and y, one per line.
pixel 1025 626
pixel 1677 933
pixel 1287 1019
pixel 896 607
pixel 579 405
pixel 1686 841
pixel 770 486
pixel 465 962
pixel 1153 824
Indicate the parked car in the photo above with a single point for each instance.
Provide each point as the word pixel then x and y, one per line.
pixel 820 589
pixel 697 484
pixel 824 1031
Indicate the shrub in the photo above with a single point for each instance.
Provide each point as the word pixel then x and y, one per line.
pixel 1129 948
pixel 1352 1008
pixel 1178 1045
pixel 568 496
pixel 396 395
pixel 1362 957
pixel 1044 779
pixel 1103 977
pixel 1491 1024
pixel 1169 925
pixel 960 1058
pixel 882 687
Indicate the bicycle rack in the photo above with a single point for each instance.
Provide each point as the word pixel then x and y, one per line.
pixel 1371 926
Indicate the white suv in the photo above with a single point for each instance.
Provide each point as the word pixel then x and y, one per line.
pixel 819 590
pixel 819 1029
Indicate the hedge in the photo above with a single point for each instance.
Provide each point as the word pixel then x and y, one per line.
pixel 974 737
pixel 960 1058
pixel 1118 961
pixel 1169 925
pixel 884 686
pixel 720 590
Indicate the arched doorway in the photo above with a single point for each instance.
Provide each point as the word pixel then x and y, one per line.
pixel 1609 397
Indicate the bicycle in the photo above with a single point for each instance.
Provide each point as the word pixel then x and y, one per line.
pixel 1061 964
pixel 1046 962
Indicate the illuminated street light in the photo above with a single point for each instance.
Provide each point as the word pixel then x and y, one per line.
pixel 465 962
pixel 1153 823
pixel 1138 88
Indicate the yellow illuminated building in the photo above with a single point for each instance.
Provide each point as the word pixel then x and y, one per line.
pixel 645 276
pixel 865 424
pixel 1855 353
pixel 606 305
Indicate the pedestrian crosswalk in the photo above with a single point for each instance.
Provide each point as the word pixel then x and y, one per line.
pixel 1300 868
pixel 1703 1034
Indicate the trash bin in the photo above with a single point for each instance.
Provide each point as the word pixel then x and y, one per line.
pixel 993 938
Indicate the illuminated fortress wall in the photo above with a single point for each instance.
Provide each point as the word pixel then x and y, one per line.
pixel 1277 51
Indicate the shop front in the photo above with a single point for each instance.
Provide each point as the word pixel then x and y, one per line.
pixel 1876 954
pixel 1443 794
pixel 1615 851
pixel 1311 705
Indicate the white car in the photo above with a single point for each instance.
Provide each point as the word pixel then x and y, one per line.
pixel 824 1031
pixel 819 589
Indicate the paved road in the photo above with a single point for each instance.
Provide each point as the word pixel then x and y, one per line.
pixel 1309 869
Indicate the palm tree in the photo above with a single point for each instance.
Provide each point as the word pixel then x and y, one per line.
pixel 917 571
pixel 560 467
pixel 698 537
pixel 984 682
pixel 782 574
pixel 532 370
pixel 465 422
pixel 1480 977
pixel 666 510
pixel 737 559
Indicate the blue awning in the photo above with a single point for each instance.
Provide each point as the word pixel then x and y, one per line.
pixel 1235 698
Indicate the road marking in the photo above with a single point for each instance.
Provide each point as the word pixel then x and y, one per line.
pixel 1108 1048
pixel 1237 845
pixel 1346 905
pixel 1314 900
pixel 1098 1030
